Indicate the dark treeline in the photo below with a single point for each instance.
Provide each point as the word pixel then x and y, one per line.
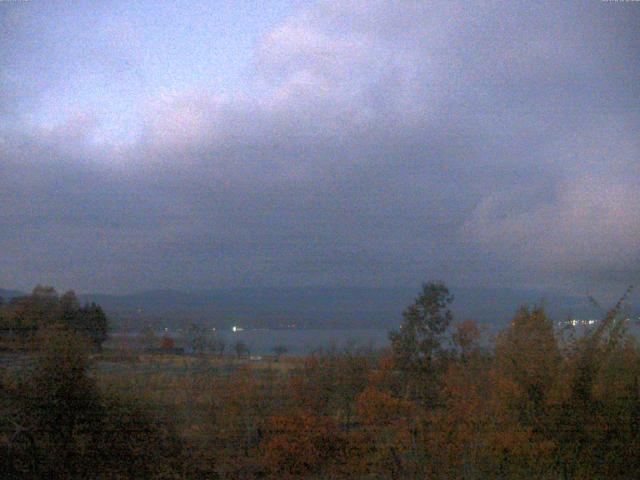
pixel 441 403
pixel 23 317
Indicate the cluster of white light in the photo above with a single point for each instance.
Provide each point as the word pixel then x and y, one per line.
pixel 575 322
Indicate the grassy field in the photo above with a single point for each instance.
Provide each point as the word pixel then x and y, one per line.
pixel 186 385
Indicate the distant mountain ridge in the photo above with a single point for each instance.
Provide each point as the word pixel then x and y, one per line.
pixel 7 295
pixel 328 307
pixel 319 307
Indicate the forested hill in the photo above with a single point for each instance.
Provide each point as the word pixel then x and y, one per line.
pixel 325 307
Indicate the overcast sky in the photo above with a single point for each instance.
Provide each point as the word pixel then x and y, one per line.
pixel 194 145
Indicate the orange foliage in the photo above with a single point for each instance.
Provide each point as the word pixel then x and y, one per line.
pixel 167 343
pixel 298 444
pixel 376 407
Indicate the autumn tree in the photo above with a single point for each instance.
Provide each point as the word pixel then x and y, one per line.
pixel 597 422
pixel 524 372
pixel 466 339
pixel 299 444
pixel 61 425
pixel 94 324
pixel 167 342
pixel 527 353
pixel 418 342
pixel 24 316
pixel 383 442
pixel 454 439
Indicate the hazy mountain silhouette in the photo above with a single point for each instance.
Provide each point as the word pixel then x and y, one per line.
pixel 320 307
pixel 325 307
pixel 7 295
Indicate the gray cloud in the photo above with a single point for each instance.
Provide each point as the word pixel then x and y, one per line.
pixel 373 143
